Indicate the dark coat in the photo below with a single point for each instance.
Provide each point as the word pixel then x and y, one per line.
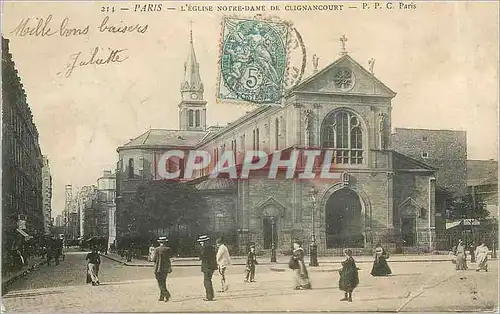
pixel 161 258
pixel 252 259
pixel 208 258
pixel 348 275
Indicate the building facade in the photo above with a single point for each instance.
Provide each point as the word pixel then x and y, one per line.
pixel 47 196
pixel 382 195
pixel 71 216
pixel 87 202
pixel 22 193
pixel 106 186
pixel 482 181
pixel 446 150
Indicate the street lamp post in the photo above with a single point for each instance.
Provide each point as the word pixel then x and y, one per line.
pixel 273 245
pixel 313 248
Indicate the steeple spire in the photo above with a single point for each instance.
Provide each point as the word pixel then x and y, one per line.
pixel 192 80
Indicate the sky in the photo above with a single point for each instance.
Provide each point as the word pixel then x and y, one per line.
pixel 440 58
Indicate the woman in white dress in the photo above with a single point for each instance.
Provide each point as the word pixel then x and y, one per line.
pixel 482 257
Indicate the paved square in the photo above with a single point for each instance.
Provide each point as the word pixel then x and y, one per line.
pixel 431 286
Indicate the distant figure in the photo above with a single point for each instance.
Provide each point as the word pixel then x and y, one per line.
pixel 299 267
pixel 151 252
pixel 471 252
pixel 250 266
pixel 163 267
pixel 94 260
pixel 461 257
pixel 223 260
pixel 349 278
pixel 482 257
pixel 380 266
pixel 208 266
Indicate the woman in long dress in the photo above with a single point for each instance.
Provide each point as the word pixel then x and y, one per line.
pixel 461 257
pixel 299 267
pixel 380 266
pixel 482 257
pixel 349 278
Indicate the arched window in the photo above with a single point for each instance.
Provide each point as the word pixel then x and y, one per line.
pixel 197 118
pixel 276 133
pixel 342 132
pixel 131 168
pixel 191 117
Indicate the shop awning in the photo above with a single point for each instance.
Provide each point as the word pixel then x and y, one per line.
pixel 24 234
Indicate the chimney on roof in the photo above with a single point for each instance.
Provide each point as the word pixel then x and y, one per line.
pixel 107 173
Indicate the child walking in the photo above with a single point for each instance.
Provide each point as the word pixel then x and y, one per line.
pixel 250 267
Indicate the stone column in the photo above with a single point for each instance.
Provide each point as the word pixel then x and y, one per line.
pixel 317 120
pixel 390 201
pixel 298 124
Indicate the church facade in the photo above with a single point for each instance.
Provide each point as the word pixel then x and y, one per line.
pixel 382 196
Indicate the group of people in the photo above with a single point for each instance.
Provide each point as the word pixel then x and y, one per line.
pixel 480 255
pixel 53 250
pixel 211 260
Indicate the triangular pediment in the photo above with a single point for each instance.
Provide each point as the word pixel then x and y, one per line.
pixel 410 208
pixel 270 208
pixel 344 76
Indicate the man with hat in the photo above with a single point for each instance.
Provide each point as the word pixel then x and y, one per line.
pixel 208 265
pixel 162 267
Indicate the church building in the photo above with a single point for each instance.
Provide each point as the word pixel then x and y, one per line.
pixel 382 195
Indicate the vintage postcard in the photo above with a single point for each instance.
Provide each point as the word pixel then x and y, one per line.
pixel 239 156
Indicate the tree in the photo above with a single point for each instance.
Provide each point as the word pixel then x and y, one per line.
pixel 164 204
pixel 467 206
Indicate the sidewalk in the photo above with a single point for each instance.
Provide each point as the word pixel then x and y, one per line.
pixel 282 261
pixel 12 276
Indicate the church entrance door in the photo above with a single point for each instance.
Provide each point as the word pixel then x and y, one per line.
pixel 408 231
pixel 343 220
pixel 270 232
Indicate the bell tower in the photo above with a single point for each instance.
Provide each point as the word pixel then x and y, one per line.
pixel 192 108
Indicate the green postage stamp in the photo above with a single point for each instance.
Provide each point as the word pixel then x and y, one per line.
pixel 253 60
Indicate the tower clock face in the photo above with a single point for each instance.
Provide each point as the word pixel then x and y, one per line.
pixel 344 79
pixel 194 96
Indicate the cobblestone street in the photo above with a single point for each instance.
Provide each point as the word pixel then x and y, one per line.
pixel 414 287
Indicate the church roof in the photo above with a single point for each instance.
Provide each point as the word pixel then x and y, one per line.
pixel 160 137
pixel 404 163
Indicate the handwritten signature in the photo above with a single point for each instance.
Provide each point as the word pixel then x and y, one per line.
pixel 43 28
pixel 77 60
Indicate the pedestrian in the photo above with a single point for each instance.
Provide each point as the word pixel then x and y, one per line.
pixel 208 265
pixel 223 260
pixel 94 260
pixel 301 275
pixel 162 267
pixel 250 266
pixel 349 278
pixel 380 266
pixel 461 257
pixel 482 257
pixel 471 252
pixel 151 252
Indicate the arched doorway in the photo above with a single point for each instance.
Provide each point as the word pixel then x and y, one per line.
pixel 343 220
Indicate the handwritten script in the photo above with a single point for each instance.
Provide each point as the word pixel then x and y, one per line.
pixel 96 58
pixel 43 27
pixel 46 27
